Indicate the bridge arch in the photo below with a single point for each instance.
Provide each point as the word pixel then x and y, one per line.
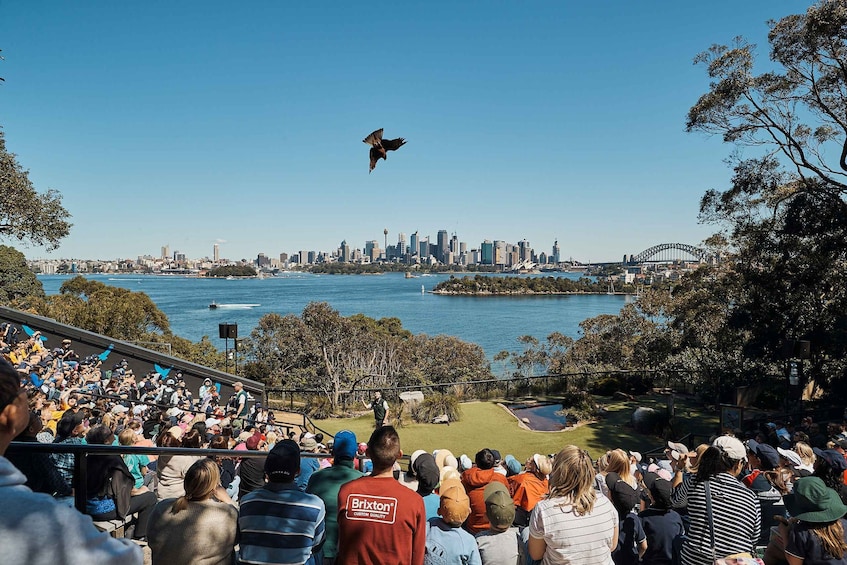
pixel 651 253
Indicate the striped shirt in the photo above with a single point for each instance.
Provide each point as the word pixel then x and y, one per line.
pixel 574 539
pixel 279 524
pixel 735 514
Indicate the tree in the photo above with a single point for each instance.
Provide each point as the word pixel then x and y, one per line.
pixel 108 310
pixel 784 214
pixel 17 282
pixel 26 215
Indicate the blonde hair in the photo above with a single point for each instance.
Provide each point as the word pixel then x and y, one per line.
pixel 807 456
pixel 572 478
pixel 271 437
pixel 619 463
pixel 201 481
pixel 831 536
pixel 699 451
pixel 603 463
pixel 126 437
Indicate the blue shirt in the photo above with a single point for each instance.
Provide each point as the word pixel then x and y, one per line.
pixel 280 524
pixel 446 544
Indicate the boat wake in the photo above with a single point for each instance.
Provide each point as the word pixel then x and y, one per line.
pixel 236 306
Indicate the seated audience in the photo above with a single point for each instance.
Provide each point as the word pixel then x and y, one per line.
pixel 198 527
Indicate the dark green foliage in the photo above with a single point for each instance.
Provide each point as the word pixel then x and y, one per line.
pixel 26 215
pixel 579 405
pixel 511 285
pixel 18 285
pixel 436 404
pixel 232 271
pixel 607 386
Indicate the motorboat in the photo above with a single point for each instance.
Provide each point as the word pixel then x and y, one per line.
pixel 213 306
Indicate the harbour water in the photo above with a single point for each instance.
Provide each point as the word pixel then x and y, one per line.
pixel 495 323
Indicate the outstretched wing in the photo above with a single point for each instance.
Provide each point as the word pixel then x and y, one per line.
pixel 374 139
pixel 393 144
pixel 377 153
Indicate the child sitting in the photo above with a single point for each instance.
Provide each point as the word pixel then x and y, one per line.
pixel 500 544
pixel 446 541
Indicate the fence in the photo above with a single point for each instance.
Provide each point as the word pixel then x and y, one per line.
pixel 510 388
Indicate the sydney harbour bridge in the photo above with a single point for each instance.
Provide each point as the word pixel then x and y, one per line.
pixel 670 253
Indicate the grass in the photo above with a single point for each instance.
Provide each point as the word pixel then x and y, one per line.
pixel 485 424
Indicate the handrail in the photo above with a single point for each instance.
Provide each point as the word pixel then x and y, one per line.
pixel 80 485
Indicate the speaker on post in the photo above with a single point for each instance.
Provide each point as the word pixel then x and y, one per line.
pixel 803 349
pixel 228 331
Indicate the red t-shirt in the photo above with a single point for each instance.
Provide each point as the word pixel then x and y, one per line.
pixel 380 521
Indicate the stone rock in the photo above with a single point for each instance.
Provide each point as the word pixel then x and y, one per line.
pixel 644 419
pixel 412 397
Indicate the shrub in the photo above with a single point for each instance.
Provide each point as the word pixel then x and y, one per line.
pixel 435 405
pixel 607 386
pixel 579 405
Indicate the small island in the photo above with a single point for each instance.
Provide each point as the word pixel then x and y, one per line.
pixel 232 271
pixel 480 285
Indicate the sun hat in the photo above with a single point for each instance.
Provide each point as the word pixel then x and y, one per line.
pixel 813 501
pixel 176 432
pixel 732 447
pixel 455 505
pixel 499 506
pixel 636 455
pixel 447 473
pixel 441 458
pixel 792 456
pixel 832 458
pixel 308 444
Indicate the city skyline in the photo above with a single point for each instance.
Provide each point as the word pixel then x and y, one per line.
pixel 193 123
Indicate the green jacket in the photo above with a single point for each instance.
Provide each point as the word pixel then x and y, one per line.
pixel 325 484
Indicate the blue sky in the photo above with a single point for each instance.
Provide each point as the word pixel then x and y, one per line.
pixel 187 123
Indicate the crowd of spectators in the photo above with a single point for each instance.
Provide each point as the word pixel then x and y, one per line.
pixel 778 493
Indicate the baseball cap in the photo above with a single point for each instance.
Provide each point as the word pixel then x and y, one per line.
pixel 283 461
pixel 732 447
pixel 499 506
pixel 660 489
pixel 832 457
pixel 542 463
pixel 766 454
pixel 253 441
pixel 513 466
pixel 344 445
pixel 427 472
pixel 455 505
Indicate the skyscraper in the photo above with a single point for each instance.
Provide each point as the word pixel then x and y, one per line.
pixel 414 244
pixel 216 253
pixel 443 246
pixel 487 253
pixel 556 252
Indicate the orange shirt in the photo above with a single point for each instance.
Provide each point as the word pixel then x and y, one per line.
pixel 529 491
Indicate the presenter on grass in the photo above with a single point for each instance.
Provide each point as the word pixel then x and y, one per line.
pixel 380 408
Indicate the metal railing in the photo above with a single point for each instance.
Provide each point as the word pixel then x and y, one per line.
pixel 82 452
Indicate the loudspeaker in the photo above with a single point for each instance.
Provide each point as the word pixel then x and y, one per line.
pixel 228 331
pixel 803 349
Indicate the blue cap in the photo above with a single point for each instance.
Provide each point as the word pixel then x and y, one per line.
pixel 344 444
pixel 513 466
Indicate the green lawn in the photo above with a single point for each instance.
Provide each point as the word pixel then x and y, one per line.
pixel 485 424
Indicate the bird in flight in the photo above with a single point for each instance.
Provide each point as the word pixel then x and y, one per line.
pixel 380 146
